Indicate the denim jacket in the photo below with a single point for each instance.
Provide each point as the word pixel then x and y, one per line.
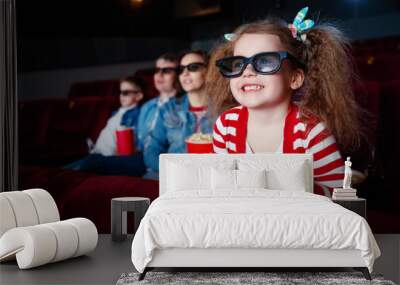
pixel 173 126
pixel 147 119
pixel 130 119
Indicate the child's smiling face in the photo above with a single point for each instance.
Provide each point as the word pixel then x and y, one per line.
pixel 255 90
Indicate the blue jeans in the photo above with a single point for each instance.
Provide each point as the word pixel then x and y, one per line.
pixel 131 165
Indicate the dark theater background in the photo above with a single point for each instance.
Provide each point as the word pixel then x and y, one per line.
pixel 72 53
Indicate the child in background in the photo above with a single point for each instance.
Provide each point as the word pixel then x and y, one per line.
pixel 265 65
pixel 104 158
pixel 131 93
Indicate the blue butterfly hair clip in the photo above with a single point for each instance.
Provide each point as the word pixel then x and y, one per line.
pixel 230 37
pixel 300 26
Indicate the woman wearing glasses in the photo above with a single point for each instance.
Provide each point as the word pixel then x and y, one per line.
pixel 165 81
pixel 182 116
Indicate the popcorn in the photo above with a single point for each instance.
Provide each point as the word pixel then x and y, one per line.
pixel 200 143
pixel 200 138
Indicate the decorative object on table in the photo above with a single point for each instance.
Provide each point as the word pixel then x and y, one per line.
pixel 125 140
pixel 31 231
pixel 119 208
pixel 345 193
pixel 347 174
pixel 244 278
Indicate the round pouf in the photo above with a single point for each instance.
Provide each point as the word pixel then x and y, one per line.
pixel 119 208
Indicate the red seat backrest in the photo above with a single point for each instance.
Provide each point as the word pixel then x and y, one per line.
pixel 381 67
pixel 33 122
pixel 71 123
pixel 147 75
pixel 389 135
pixel 101 88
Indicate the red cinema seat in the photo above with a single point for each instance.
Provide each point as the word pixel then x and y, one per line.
pixel 100 88
pixel 92 198
pixel 147 76
pixel 389 135
pixel 381 67
pixel 70 126
pixel 83 194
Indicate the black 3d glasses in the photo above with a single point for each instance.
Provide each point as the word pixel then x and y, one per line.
pixel 191 67
pixel 263 63
pixel 129 92
pixel 165 70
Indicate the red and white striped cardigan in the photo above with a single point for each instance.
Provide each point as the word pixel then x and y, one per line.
pixel 230 132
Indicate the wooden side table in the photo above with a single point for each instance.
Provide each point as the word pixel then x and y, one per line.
pixel 358 206
pixel 119 209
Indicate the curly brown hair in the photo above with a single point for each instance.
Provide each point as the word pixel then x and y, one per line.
pixel 329 76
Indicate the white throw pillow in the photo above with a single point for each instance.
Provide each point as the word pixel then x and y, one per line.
pixel 182 177
pixel 186 175
pixel 251 178
pixel 223 179
pixel 293 179
pixel 281 174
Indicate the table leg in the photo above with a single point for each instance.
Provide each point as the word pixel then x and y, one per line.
pixel 116 222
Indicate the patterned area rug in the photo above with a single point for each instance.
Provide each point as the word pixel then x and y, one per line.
pixel 242 278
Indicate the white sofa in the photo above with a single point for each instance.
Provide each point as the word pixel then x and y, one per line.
pixel 31 231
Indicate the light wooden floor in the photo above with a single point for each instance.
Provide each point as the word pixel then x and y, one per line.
pixel 110 260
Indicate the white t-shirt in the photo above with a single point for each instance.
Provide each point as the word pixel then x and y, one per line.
pixel 106 142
